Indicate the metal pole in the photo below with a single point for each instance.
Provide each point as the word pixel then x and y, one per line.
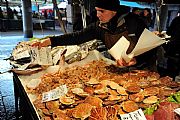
pixel 158 12
pixel 27 18
pixel 83 13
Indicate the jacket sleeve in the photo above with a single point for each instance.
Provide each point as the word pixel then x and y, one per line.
pixel 75 38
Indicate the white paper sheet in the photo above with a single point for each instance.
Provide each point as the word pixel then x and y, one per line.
pixel 118 51
pixel 146 42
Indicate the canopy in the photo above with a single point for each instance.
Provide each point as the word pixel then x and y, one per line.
pixel 148 1
pixel 50 6
pixel 133 4
pixel 151 1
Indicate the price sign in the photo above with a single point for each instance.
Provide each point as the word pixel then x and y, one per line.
pixel 55 93
pixel 136 115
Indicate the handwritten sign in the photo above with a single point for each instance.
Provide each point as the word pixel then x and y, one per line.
pixel 55 93
pixel 41 56
pixel 136 115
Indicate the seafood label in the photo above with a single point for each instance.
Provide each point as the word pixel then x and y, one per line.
pixel 41 56
pixel 136 115
pixel 22 54
pixel 55 93
pixel 177 111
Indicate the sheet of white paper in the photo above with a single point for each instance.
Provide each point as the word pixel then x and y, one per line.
pixel 118 51
pixel 146 42
pixel 55 93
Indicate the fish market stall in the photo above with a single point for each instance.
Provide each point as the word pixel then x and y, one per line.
pixel 90 87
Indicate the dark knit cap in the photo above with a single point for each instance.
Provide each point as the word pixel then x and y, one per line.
pixel 112 5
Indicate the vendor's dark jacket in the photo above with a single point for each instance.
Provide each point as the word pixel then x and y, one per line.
pixel 120 25
pixel 173 47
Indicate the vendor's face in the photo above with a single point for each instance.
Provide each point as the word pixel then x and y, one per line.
pixel 105 15
pixel 146 12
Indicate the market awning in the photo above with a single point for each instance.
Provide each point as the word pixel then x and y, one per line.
pixel 133 4
pixel 152 1
pixel 50 6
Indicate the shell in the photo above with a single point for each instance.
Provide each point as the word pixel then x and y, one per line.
pixel 60 115
pixel 82 111
pixel 114 97
pixel 133 89
pixel 77 90
pixel 113 85
pixel 138 97
pixel 151 100
pixel 122 91
pixel 52 106
pixel 129 106
pixel 99 113
pixel 111 113
pixel 151 91
pixel 66 100
pixel 93 81
pixel 94 101
pixel 89 90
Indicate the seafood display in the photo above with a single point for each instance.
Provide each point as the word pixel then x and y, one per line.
pixel 26 59
pixel 99 91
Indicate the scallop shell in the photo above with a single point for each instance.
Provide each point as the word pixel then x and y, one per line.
pixel 129 106
pixel 52 106
pixel 99 113
pixel 94 101
pixel 138 97
pixel 113 85
pixel 66 100
pixel 82 111
pixel 133 89
pixel 151 100
pixel 93 81
pixel 77 90
pixel 89 90
pixel 122 91
pixel 60 115
pixel 114 97
pixel 111 113
pixel 151 91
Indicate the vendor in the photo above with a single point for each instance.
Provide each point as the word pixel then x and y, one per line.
pixel 113 23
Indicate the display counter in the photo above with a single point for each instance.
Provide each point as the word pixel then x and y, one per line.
pixel 93 87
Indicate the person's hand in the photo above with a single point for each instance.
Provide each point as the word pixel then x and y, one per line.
pixel 122 62
pixel 43 43
pixel 156 32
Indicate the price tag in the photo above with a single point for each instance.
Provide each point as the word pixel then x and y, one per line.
pixel 55 93
pixel 41 56
pixel 136 115
pixel 177 111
